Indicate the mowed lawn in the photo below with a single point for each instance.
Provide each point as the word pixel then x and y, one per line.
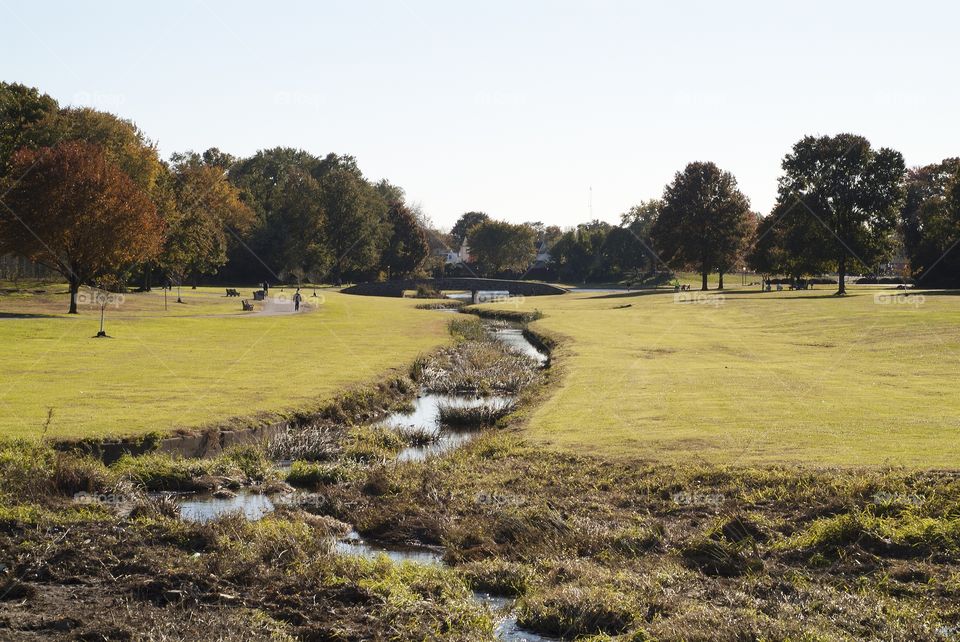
pixel 757 377
pixel 196 363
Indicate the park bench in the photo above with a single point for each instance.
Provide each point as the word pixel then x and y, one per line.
pixel 258 295
pixel 232 292
pixel 247 306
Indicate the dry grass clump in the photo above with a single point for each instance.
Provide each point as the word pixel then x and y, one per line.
pixel 318 441
pixel 464 416
pixel 418 435
pixel 477 366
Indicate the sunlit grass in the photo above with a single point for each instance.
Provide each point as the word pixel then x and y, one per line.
pixel 756 377
pixel 196 363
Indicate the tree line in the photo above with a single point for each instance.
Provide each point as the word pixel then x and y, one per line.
pixel 87 195
pixel 842 207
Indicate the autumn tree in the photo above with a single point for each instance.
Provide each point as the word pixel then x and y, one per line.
pixel 122 142
pixel 207 215
pixel 853 191
pixel 407 246
pixel 701 223
pixel 78 213
pixel 498 246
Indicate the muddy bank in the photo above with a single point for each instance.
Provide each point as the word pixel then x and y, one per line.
pixel 358 404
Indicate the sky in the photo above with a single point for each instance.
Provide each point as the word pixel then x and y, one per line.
pixel 557 112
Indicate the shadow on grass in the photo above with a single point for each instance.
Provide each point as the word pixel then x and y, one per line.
pixel 27 315
pixel 629 294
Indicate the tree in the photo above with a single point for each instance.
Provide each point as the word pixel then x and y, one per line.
pixel 121 141
pixel 852 190
pixel 355 214
pixel 77 213
pixel 738 257
pixel 929 223
pixel 701 223
pixel 23 113
pixel 639 221
pixel 464 224
pixel 281 188
pixel 499 246
pixel 787 242
pixel 407 246
pixel 207 215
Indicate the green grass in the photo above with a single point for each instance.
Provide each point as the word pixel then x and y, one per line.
pixel 755 377
pixel 200 362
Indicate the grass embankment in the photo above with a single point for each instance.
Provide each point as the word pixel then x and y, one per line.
pixel 185 368
pixel 750 377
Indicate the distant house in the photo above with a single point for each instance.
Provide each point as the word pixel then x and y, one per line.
pixel 455 258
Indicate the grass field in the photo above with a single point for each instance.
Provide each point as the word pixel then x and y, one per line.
pixel 209 364
pixel 752 377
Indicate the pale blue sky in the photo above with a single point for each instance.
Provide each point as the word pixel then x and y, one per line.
pixel 514 108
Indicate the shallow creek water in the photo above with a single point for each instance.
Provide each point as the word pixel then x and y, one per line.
pixel 424 415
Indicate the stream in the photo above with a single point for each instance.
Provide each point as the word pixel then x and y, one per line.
pixel 424 415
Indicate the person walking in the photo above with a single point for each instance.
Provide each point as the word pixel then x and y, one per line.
pixel 297 298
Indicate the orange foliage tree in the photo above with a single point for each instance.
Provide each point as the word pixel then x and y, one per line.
pixel 70 208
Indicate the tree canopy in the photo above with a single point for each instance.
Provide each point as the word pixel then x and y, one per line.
pixel 851 192
pixel 702 224
pixel 464 224
pixel 78 213
pixel 498 246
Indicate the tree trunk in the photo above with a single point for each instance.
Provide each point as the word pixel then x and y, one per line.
pixel 74 289
pixel 720 285
pixel 703 279
pixel 842 272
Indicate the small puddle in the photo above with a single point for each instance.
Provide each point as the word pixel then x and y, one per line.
pixel 508 630
pixel 513 338
pixel 354 544
pixel 204 508
pixel 426 416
